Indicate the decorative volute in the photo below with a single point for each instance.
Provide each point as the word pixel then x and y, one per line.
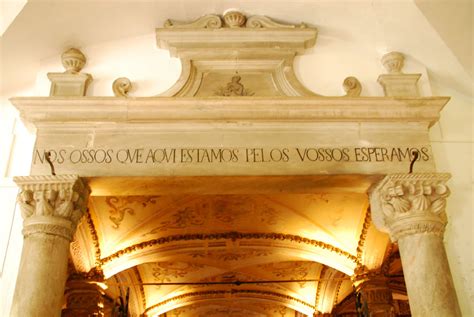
pixel 235 55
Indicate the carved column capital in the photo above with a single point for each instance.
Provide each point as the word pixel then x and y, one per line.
pixel 52 204
pixel 406 204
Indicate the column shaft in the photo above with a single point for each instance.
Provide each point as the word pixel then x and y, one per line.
pixel 41 277
pixel 428 277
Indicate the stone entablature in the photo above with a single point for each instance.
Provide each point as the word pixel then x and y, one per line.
pixel 231 136
pixel 237 109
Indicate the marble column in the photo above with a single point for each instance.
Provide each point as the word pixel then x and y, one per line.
pixel 411 208
pixel 375 295
pixel 51 207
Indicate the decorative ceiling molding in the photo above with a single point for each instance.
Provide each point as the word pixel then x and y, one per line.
pixel 318 288
pixel 328 289
pixel 130 281
pixel 140 282
pixel 363 236
pixel 85 249
pixel 338 288
pixel 95 239
pixel 187 298
pixel 347 261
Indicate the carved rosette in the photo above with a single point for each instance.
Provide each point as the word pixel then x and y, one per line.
pixel 52 204
pixel 413 203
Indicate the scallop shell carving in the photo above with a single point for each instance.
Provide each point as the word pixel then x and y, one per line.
pixel 234 19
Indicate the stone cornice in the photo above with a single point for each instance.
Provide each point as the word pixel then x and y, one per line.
pixel 51 110
pixel 412 203
pixel 233 31
pixel 297 39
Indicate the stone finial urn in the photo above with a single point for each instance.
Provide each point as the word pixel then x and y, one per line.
pixel 73 60
pixel 393 62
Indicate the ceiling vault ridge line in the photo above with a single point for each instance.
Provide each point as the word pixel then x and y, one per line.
pixel 95 239
pixel 338 288
pixel 228 235
pixel 140 284
pixel 318 289
pixel 238 282
pixel 363 236
pixel 228 292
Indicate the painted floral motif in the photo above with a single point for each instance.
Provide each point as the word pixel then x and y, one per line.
pixel 167 271
pixel 230 256
pixel 227 210
pixel 183 218
pixel 289 270
pixel 119 206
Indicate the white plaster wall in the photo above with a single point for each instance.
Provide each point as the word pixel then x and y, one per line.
pixel 322 70
pixel 452 143
pixel 16 145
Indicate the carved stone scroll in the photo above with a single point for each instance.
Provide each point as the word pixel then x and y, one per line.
pixel 231 19
pixel 121 86
pixel 352 87
pixel 260 21
pixel 210 21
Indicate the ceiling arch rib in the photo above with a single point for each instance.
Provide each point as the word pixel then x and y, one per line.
pixel 324 283
pixel 230 245
pixel 209 296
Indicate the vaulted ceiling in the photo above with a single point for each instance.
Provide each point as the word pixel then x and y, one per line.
pixel 225 246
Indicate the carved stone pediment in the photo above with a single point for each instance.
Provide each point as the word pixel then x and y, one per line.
pixel 238 56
